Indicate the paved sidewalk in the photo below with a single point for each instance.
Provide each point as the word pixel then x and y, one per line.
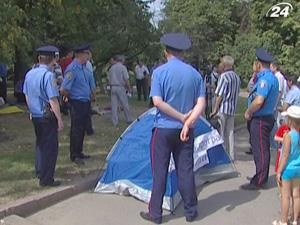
pixel 221 203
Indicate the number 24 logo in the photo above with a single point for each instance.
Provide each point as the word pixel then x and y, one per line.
pixel 280 9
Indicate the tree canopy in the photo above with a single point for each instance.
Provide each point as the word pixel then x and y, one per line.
pixel 236 27
pixel 111 26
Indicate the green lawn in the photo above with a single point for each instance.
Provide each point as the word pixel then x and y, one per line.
pixel 241 108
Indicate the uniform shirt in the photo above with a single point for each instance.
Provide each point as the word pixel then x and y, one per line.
pixel 118 75
pixel 293 96
pixel 228 88
pixel 38 95
pixel 267 87
pixel 179 85
pixel 78 81
pixel 140 71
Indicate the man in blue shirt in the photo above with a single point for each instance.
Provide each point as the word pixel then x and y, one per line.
pixel 40 89
pixel 178 93
pixel 262 103
pixel 78 88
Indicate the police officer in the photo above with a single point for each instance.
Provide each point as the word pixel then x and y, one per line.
pixel 178 92
pixel 40 89
pixel 78 87
pixel 262 102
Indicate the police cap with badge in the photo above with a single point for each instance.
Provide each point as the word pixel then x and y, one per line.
pixel 263 56
pixel 176 41
pixel 47 50
pixel 82 48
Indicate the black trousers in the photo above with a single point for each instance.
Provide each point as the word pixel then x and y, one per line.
pixel 3 88
pixel 46 148
pixel 260 130
pixel 163 143
pixel 80 113
pixel 141 85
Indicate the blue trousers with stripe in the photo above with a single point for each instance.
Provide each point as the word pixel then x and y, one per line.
pixel 163 143
pixel 260 130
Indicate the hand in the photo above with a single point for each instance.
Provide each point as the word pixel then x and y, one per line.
pixel 247 115
pixel 65 99
pixel 184 134
pixel 278 178
pixel 60 124
pixel 186 116
pixel 213 114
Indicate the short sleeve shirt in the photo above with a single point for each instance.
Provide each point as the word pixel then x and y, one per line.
pixel 180 86
pixel 267 87
pixel 293 96
pixel 78 81
pixel 39 86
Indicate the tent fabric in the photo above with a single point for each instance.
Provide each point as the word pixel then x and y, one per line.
pixel 128 169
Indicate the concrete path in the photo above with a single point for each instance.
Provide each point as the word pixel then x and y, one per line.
pixel 220 203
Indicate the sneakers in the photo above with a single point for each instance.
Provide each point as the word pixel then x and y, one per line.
pixel 146 216
pixel 277 222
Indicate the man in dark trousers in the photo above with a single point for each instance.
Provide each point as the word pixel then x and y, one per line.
pixel 178 93
pixel 41 93
pixel 78 87
pixel 262 103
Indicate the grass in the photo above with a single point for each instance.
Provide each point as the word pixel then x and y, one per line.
pixel 241 108
pixel 17 142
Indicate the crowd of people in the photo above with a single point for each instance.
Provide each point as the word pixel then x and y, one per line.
pixel 181 94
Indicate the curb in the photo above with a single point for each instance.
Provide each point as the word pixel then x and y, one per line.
pixel 29 205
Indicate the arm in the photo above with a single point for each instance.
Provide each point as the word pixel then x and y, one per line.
pixel 284 157
pixel 283 108
pixel 216 106
pixel 278 139
pixel 166 108
pixel 255 105
pixel 56 109
pixel 190 121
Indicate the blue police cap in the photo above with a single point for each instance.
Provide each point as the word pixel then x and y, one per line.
pixel 47 50
pixel 263 55
pixel 82 48
pixel 177 41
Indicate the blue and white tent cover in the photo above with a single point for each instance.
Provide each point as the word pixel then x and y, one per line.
pixel 128 168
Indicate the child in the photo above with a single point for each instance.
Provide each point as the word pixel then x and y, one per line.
pixel 282 130
pixel 288 173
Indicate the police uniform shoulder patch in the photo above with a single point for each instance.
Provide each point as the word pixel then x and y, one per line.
pixel 263 84
pixel 69 75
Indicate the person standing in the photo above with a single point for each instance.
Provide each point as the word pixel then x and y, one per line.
pixel 141 73
pixel 3 82
pixel 119 83
pixel 227 94
pixel 178 93
pixel 41 93
pixel 293 95
pixel 77 88
pixel 262 102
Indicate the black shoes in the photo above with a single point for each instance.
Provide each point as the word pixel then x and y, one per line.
pixel 250 187
pixel 55 183
pixel 78 161
pixel 83 156
pixel 191 218
pixel 146 216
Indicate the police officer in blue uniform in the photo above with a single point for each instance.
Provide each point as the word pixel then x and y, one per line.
pixel 178 93
pixel 262 102
pixel 78 87
pixel 40 89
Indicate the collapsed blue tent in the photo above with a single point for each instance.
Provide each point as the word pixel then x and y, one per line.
pixel 128 170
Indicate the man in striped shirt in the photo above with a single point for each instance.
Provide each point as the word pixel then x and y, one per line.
pixel 227 93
